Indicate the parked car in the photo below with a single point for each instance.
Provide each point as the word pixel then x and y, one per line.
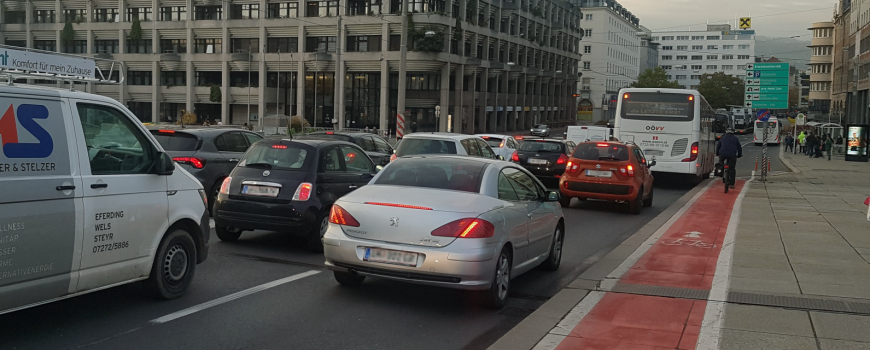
pixel 444 143
pixel 209 154
pixel 545 158
pixel 540 130
pixel 448 221
pixel 611 171
pixel 378 149
pixel 288 186
pixel 502 145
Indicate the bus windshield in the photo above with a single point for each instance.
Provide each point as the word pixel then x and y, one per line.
pixel 654 106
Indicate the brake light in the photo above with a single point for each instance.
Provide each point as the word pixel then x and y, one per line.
pixel 225 186
pixel 407 206
pixel 500 145
pixel 167 131
pixel 625 96
pixel 339 216
pixel 627 170
pixel 466 228
pixel 303 192
pixel 330 133
pixel 393 157
pixel 279 146
pixel 571 167
pixel 694 155
pixel 601 145
pixel 518 137
pixel 485 137
pixel 562 159
pixel 691 98
pixel 198 163
pixel 515 157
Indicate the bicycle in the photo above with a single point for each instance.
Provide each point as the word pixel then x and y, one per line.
pixel 726 177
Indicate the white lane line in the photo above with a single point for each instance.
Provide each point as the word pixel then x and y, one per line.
pixel 231 297
pixel 564 328
pixel 714 314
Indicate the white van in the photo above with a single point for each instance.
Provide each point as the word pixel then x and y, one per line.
pixel 580 134
pixel 89 201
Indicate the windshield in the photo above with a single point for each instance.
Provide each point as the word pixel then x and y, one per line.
pixel 275 156
pixel 449 174
pixel 655 106
pixel 425 146
pixel 541 146
pixel 493 142
pixel 540 126
pixel 176 141
pixel 601 151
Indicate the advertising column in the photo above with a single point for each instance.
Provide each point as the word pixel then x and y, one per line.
pixel 856 143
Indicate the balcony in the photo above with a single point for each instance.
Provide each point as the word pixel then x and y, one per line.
pixel 829 41
pixel 821 59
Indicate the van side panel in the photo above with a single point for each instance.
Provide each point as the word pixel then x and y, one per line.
pixel 40 188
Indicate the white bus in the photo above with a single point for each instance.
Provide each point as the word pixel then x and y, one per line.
pixel 672 126
pixel 774 128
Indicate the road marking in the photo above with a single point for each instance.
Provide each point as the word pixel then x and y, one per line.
pixel 567 324
pixel 714 314
pixel 211 223
pixel 231 297
pixel 693 234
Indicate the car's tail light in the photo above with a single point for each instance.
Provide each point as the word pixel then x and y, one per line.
pixel 515 157
pixel 694 155
pixel 225 186
pixel 500 145
pixel 303 192
pixel 339 216
pixel 279 146
pixel 167 131
pixel 393 157
pixel 466 228
pixel 571 167
pixel 627 170
pixel 562 159
pixel 195 162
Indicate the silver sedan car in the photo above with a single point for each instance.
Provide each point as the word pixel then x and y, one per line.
pixel 450 221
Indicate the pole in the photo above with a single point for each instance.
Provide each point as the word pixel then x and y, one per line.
pixel 316 76
pixel 278 90
pixel 764 153
pixel 292 96
pixel 400 103
pixel 248 118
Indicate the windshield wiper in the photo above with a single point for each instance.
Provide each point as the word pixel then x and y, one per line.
pixel 264 165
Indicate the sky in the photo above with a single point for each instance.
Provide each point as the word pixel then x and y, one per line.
pixel 773 18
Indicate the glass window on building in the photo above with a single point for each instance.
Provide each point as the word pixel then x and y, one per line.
pixel 16 43
pixel 207 45
pixel 245 79
pixel 282 44
pixel 697 57
pixel 697 37
pixel 173 78
pixel 712 47
pixel 727 47
pixel 727 67
pixel 319 111
pixel 696 66
pixel 362 100
pixel 426 82
pixel 76 46
pixel 44 16
pixel 284 10
pixel 47 45
pixel 105 46
pixel 679 77
pixel 683 37
pixel 106 15
pixel 697 47
pixel 713 37
pixel 682 58
pixel 173 13
pixel 75 15
pixel 683 47
pixel 210 12
pixel 15 17
pixel 142 13
pixel 244 45
pixel 139 46
pixel 142 110
pixel 712 57
pixel 667 57
pixel 742 57
pixel 320 44
pixel 364 43
pixel 743 47
pixel 321 9
pixel 244 11
pixel 712 67
pixel 173 45
pixel 139 77
pixel 206 78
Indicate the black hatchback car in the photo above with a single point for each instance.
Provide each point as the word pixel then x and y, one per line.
pixel 289 186
pixel 378 149
pixel 544 158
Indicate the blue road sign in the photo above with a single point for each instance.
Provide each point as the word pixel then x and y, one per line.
pixel 763 115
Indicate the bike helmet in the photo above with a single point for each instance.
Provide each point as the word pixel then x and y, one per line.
pixel 729 130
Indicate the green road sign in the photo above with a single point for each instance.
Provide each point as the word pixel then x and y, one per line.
pixel 767 89
pixel 767 81
pixel 766 97
pixel 767 74
pixel 768 66
pixel 766 104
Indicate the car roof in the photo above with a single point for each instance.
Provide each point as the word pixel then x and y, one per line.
pixel 344 133
pixel 452 156
pixel 204 131
pixel 493 135
pixel 620 143
pixel 440 136
pixel 313 142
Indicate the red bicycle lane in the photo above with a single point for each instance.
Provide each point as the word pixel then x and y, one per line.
pixel 685 256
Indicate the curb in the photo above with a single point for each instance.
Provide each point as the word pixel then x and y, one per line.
pixel 532 329
pixel 786 162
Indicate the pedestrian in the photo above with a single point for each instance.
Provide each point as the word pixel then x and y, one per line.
pixel 789 143
pixel 810 142
pixel 414 127
pixel 802 138
pixel 829 145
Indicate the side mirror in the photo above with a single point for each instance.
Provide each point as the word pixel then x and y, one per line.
pixel 379 168
pixel 554 196
pixel 499 157
pixel 651 163
pixel 165 166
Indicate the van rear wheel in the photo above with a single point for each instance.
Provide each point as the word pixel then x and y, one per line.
pixel 174 266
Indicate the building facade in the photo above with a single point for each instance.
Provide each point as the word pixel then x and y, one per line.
pixel 490 65
pixel 649 51
pixel 850 90
pixel 611 51
pixel 821 68
pixel 686 55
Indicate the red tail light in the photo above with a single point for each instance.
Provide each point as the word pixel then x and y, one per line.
pixel 500 145
pixel 225 186
pixel 694 155
pixel 167 131
pixel 601 144
pixel 406 206
pixel 198 163
pixel 571 167
pixel 562 159
pixel 279 146
pixel 330 133
pixel 627 170
pixel 303 192
pixel 466 228
pixel 339 216
pixel 515 157
pixel 393 157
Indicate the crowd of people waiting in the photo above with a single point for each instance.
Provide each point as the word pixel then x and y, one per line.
pixel 812 145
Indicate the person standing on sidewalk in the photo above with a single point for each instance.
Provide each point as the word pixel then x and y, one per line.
pixel 789 143
pixel 829 144
pixel 802 139
pixel 810 143
pixel 728 149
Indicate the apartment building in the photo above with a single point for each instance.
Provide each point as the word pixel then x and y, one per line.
pixel 491 65
pixel 821 67
pixel 686 55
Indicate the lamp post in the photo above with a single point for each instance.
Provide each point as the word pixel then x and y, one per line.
pixel 403 63
pixel 248 118
pixel 509 65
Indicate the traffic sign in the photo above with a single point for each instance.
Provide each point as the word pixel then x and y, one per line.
pixel 766 97
pixel 767 73
pixel 767 66
pixel 767 89
pixel 767 85
pixel 766 104
pixel 767 81
pixel 763 115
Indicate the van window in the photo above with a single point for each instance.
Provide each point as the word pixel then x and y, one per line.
pixel 115 145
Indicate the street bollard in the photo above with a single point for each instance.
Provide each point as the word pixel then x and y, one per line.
pixel 768 165
pixel 756 163
pixel 867 202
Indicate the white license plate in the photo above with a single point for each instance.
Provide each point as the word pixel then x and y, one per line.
pixel 537 161
pixel 264 191
pixel 394 257
pixel 598 173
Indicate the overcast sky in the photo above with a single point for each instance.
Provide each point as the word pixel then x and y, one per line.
pixel 774 18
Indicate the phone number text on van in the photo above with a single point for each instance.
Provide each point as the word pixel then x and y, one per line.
pixel 12 167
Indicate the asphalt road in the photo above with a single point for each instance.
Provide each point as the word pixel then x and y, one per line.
pixel 313 311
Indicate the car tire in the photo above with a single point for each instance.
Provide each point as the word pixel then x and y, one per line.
pixel 648 202
pixel 348 279
pixel 636 205
pixel 555 257
pixel 174 266
pixel 314 242
pixel 213 194
pixel 565 201
pixel 226 235
pixel 497 294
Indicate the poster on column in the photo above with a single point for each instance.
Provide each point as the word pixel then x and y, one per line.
pixel 856 143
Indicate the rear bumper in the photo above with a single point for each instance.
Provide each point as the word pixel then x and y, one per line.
pixel 546 173
pixel 247 215
pixel 603 191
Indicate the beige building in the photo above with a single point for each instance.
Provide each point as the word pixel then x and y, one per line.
pixel 821 67
pixel 494 66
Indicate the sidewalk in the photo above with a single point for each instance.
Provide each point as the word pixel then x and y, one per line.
pixel 790 269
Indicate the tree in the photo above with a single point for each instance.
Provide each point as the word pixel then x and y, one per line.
pixel 188 118
pixel 136 30
pixel 721 89
pixel 67 35
pixel 654 78
pixel 215 94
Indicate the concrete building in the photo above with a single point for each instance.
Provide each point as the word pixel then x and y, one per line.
pixel 649 51
pixel 850 91
pixel 497 66
pixel 821 68
pixel 687 55
pixel 611 55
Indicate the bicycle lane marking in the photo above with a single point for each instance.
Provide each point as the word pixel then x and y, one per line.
pixel 688 260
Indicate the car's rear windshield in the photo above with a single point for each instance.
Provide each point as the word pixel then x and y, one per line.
pixel 492 141
pixel 541 146
pixel 333 137
pixel 276 156
pixel 450 174
pixel 601 152
pixel 176 141
pixel 425 146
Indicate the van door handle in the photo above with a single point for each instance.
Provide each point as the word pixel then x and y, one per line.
pixel 234 160
pixel 99 185
pixel 65 188
pixel 353 186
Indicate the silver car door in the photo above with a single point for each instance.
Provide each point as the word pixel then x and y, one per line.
pixel 516 222
pixel 540 215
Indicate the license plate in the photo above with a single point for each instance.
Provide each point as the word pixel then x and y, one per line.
pixel 598 173
pixel 537 161
pixel 264 191
pixel 395 257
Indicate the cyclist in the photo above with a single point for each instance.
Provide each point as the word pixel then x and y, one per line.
pixel 728 149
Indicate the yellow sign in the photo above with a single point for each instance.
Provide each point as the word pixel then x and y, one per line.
pixel 745 22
